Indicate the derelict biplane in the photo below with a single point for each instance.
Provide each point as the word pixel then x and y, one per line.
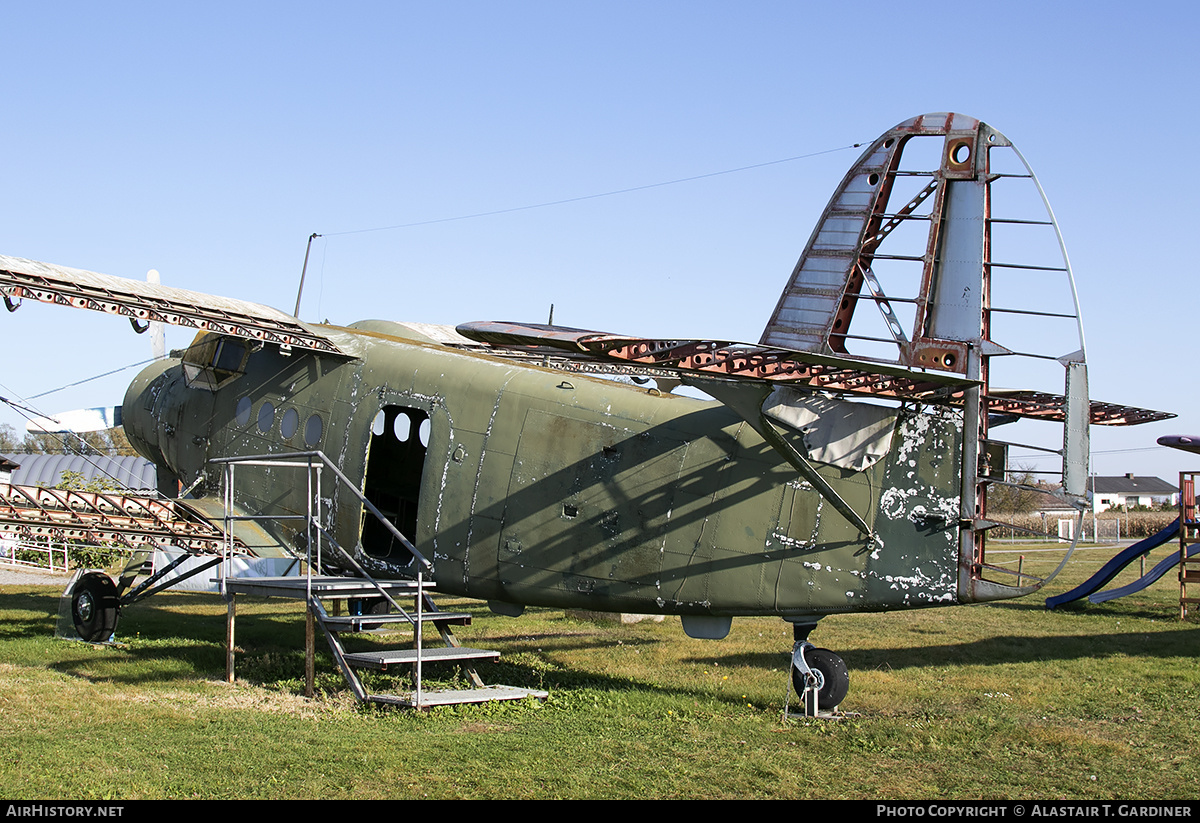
pixel 842 464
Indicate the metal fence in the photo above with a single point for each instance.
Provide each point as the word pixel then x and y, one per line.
pixel 47 556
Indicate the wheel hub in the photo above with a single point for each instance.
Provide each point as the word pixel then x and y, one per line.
pixel 84 606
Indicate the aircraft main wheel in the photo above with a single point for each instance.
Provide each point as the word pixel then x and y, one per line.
pixel 833 678
pixel 366 606
pixel 94 604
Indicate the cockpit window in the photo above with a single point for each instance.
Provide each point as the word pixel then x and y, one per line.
pixel 212 362
pixel 229 355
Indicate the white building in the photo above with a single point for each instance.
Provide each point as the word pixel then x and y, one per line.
pixel 1128 490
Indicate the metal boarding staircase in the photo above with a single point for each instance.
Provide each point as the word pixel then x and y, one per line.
pixel 318 590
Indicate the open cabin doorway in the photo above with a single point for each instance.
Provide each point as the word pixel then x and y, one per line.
pixel 395 461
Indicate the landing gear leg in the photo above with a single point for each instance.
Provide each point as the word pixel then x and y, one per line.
pixel 819 676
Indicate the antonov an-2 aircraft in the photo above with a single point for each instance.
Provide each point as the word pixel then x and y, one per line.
pixel 842 464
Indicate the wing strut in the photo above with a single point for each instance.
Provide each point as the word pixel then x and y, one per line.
pixel 747 400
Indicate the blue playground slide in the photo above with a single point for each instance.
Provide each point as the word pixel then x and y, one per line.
pixel 1110 569
pixel 1163 566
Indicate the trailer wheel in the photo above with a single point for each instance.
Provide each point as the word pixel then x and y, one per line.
pixel 94 607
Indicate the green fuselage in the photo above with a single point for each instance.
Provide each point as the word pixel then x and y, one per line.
pixel 535 486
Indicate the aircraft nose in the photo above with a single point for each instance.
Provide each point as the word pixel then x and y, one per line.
pixel 138 411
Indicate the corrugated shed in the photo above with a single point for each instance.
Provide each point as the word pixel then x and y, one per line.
pixel 134 473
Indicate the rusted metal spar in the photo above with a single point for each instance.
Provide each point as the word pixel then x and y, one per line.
pixel 150 302
pixel 131 520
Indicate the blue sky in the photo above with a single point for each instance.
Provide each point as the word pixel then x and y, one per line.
pixel 209 141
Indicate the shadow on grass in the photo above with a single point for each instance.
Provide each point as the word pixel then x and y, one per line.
pixel 163 638
pixel 1000 650
pixel 173 635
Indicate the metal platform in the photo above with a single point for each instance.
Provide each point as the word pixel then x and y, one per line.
pixel 394 657
pixel 326 588
pixel 378 622
pixel 453 697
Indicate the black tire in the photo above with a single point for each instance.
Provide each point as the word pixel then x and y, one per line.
pixel 833 678
pixel 368 606
pixel 94 607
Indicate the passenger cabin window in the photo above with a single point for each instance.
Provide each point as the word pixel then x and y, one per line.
pixel 212 362
pixel 289 424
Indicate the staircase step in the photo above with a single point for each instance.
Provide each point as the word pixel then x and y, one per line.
pixel 451 697
pixel 355 623
pixel 390 657
pixel 327 588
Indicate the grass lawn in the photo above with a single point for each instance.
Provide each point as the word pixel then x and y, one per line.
pixel 993 701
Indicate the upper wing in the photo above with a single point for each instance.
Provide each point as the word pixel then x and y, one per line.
pixel 717 358
pixel 746 361
pixel 149 302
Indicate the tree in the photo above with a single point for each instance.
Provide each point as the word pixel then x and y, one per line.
pixel 74 481
pixel 10 441
pixel 111 442
pixel 118 443
pixel 47 443
pixel 1020 499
